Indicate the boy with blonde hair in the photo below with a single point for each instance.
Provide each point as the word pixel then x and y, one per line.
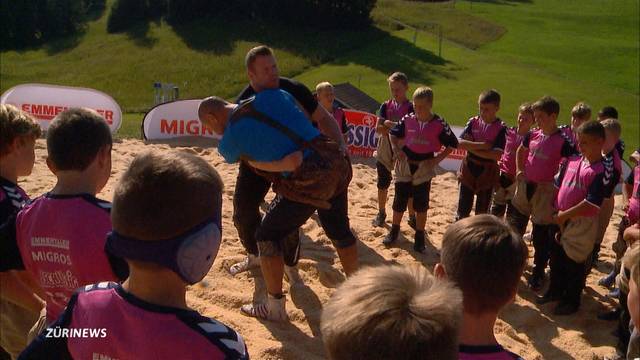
pixel 506 187
pixel 389 114
pixel 59 237
pixel 580 113
pixel 169 242
pixel 326 98
pixel 485 258
pixel 387 312
pixel 19 303
pixel 417 142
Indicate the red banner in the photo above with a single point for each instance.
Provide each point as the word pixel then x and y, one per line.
pixel 362 140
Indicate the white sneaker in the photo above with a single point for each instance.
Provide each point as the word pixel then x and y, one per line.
pixel 292 276
pixel 248 263
pixel 273 310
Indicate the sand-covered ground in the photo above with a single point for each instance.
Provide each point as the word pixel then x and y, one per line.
pixel 524 327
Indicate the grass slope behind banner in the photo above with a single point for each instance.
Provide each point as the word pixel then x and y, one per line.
pixel 44 102
pixel 176 120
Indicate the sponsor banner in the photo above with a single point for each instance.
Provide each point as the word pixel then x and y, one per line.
pixel 44 102
pixel 175 120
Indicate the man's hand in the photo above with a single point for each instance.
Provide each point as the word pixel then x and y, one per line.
pixel 389 124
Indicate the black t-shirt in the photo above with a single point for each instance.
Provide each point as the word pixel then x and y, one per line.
pixel 295 88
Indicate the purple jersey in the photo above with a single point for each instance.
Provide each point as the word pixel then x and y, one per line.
pixel 578 180
pixel 424 138
pixel 12 198
pixel 485 352
pixel 508 159
pixel 545 153
pixel 394 111
pixel 633 212
pixel 613 160
pixel 478 130
pixel 61 241
pixel 570 134
pixel 126 327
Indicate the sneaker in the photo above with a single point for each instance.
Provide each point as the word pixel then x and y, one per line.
pixel 379 220
pixel 615 293
pixel 565 309
pixel 535 282
pixel 419 244
pixel 610 315
pixel 273 309
pixel 292 276
pixel 391 237
pixel 248 263
pixel 608 280
pixel 546 298
pixel 412 221
pixel 527 237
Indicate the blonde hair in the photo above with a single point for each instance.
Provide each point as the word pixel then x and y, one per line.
pixel 526 108
pixel 423 92
pixel 485 258
pixel 400 77
pixel 15 124
pixel 581 111
pixel 384 311
pixel 323 86
pixel 612 125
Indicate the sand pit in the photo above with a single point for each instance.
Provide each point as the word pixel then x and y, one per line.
pixel 524 327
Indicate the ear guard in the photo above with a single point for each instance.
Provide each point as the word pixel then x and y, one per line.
pixel 190 255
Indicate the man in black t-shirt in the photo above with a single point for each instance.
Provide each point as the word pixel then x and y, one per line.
pixel 251 188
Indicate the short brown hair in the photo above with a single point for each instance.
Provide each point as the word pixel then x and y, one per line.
pixel 547 104
pixel 526 108
pixel 75 137
pixel 581 111
pixel 612 125
pixel 164 194
pixel 423 92
pixel 592 128
pixel 485 258
pixel 400 77
pixel 253 53
pixel 489 97
pixel 384 311
pixel 15 124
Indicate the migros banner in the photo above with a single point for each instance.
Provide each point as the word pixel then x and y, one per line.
pixel 173 120
pixel 44 102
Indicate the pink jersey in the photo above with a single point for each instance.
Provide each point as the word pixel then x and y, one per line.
pixel 545 153
pixel 580 180
pixel 486 352
pixel 570 134
pixel 633 212
pixel 427 137
pixel 613 160
pixel 338 114
pixel 479 131
pixel 508 159
pixel 61 240
pixel 395 111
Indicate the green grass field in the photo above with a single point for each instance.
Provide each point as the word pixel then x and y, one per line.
pixel 583 50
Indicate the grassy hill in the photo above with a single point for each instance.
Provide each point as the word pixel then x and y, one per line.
pixel 574 50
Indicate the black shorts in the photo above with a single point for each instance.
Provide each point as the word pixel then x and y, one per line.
pixel 406 190
pixel 384 176
pixel 284 216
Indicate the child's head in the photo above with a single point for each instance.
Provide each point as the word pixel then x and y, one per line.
pixel 398 86
pixel 545 112
pixel 580 113
pixel 166 215
pixel 18 134
pixel 324 91
pixel 612 131
pixel 489 104
pixel 607 112
pixel 485 258
pixel 385 311
pixel 79 140
pixel 423 102
pixel 525 116
pixel 632 257
pixel 591 137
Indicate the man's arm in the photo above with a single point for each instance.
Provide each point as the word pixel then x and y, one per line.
pixel 328 126
pixel 288 163
pixel 521 153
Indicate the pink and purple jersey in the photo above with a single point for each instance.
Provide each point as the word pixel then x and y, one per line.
pixel 485 352
pixel 424 138
pixel 578 180
pixel 338 114
pixel 633 212
pixel 394 111
pixel 570 134
pixel 478 130
pixel 613 161
pixel 544 154
pixel 508 159
pixel 12 198
pixel 122 326
pixel 61 242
